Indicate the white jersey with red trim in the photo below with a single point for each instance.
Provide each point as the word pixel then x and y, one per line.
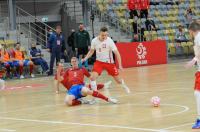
pixel 197 47
pixel 104 49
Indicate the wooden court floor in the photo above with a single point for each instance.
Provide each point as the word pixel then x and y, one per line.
pixel 31 105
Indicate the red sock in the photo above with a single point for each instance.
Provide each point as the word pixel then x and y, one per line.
pixel 99 86
pixel 99 95
pixel 20 70
pixel 31 69
pixel 75 102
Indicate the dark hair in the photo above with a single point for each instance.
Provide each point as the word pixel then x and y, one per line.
pixel 104 29
pixel 17 44
pixel 194 26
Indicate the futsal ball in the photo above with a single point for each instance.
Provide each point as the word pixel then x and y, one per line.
pixel 155 101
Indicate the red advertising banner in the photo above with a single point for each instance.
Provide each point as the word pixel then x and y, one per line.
pixel 138 4
pixel 143 53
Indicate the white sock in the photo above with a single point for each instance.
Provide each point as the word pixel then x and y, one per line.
pixel 93 85
pixel 197 96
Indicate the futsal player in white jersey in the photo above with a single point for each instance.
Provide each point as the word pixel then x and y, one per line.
pixel 194 30
pixel 105 47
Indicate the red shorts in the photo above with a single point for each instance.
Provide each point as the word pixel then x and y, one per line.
pixel 109 67
pixel 197 81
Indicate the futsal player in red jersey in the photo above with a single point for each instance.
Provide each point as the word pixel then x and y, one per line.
pixel 73 80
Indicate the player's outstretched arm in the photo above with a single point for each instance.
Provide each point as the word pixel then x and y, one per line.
pixel 56 86
pixel 89 54
pixel 195 59
pixel 59 77
pixel 117 54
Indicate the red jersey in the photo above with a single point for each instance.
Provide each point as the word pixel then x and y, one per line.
pixel 74 76
pixel 138 4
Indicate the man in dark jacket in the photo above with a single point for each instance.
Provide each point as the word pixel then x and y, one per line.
pixel 36 57
pixel 82 44
pixel 70 42
pixel 56 43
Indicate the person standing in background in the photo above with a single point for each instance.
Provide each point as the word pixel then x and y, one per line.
pixel 56 43
pixel 82 44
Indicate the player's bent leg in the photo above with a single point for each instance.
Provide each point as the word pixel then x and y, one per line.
pixel 97 94
pixel 21 66
pixel 30 63
pixel 121 81
pixel 197 123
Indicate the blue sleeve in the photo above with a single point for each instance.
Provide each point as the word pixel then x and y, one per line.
pixel 50 41
pixel 39 51
pixel 32 53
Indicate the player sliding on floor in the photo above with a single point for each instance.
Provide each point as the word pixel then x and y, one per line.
pixel 194 30
pixel 73 80
pixel 104 47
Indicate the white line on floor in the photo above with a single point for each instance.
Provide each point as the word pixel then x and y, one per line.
pixel 81 124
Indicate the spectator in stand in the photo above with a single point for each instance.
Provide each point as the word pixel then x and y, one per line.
pixel 188 15
pixel 135 6
pixel 144 6
pixel 150 24
pixel 37 59
pixel 132 7
pixel 180 35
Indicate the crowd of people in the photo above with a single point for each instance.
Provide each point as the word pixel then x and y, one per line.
pixel 14 61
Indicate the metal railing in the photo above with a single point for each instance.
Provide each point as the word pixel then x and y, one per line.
pixel 32 27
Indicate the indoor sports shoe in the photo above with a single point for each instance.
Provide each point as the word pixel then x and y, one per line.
pixel 107 84
pixel 112 100
pixel 32 75
pixel 21 77
pixel 196 125
pixel 93 101
pixel 125 87
pixel 84 101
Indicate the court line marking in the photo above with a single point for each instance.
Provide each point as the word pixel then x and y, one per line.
pixel 176 113
pixel 177 126
pixel 81 124
pixel 185 109
pixel 7 130
pixel 31 108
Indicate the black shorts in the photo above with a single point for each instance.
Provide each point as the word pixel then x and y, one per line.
pixel 83 51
